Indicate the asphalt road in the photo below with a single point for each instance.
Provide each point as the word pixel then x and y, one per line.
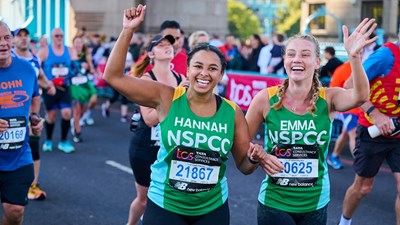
pixel 94 185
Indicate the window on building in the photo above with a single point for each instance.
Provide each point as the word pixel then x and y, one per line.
pixel 373 10
pixel 319 22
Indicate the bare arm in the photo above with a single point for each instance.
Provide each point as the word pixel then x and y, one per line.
pixel 255 116
pixel 150 116
pixel 379 119
pixel 241 144
pixel 136 89
pixel 37 124
pixel 357 95
pixel 257 111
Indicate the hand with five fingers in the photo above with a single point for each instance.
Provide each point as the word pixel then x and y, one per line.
pixel 359 38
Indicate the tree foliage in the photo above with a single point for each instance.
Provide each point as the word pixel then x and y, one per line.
pixel 288 20
pixel 242 22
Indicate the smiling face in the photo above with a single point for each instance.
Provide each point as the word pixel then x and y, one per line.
pixel 205 70
pixel 5 44
pixel 301 59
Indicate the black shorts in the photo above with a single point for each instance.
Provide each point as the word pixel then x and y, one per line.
pixel 14 185
pixel 142 153
pixel 369 153
pixel 155 215
pixel 272 216
pixel 141 160
pixel 61 100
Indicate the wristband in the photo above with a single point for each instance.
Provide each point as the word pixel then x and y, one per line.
pixel 370 109
pixel 34 114
pixel 252 161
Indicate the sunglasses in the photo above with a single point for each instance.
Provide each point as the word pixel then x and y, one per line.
pixel 58 35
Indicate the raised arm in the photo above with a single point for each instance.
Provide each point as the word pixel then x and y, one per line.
pixel 144 92
pixel 357 95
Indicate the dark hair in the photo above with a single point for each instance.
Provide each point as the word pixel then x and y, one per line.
pixel 169 24
pixel 330 50
pixel 258 38
pixel 280 37
pixel 208 47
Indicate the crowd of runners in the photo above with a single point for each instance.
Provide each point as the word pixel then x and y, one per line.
pixel 184 130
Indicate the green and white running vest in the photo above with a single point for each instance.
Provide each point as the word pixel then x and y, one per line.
pixel 301 143
pixel 188 176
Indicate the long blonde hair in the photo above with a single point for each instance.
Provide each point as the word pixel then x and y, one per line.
pixel 316 84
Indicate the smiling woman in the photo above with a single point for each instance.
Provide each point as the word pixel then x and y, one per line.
pixel 297 116
pixel 188 183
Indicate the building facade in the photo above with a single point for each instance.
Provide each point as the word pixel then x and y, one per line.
pixel 105 16
pixel 350 13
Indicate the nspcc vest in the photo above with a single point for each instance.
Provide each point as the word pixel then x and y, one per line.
pixel 301 143
pixel 188 176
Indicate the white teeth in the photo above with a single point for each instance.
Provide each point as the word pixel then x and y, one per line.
pixel 203 81
pixel 298 68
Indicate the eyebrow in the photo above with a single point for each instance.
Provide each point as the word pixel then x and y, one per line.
pixel 212 64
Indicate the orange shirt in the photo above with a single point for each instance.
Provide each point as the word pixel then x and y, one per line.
pixel 339 77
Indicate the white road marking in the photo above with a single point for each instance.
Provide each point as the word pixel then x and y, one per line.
pixel 119 166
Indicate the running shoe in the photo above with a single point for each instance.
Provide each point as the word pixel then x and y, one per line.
pixel 47 146
pixel 87 118
pixel 124 119
pixel 89 121
pixel 77 138
pixel 66 146
pixel 334 162
pixel 35 193
pixel 105 111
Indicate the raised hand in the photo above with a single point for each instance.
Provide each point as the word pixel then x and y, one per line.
pixel 133 17
pixel 359 38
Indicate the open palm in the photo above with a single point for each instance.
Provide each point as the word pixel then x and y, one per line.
pixel 359 38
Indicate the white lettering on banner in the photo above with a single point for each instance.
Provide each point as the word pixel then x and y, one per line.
pixel 241 94
pixel 190 139
pixel 258 84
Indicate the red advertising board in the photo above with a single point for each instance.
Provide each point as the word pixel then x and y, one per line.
pixel 243 87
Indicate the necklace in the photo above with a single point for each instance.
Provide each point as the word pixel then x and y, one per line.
pixel 293 107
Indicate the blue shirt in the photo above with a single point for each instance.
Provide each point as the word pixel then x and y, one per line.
pixel 379 63
pixel 18 85
pixel 33 60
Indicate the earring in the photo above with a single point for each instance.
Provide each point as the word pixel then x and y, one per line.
pixel 151 61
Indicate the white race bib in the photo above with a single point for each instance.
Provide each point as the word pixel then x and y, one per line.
pixel 78 80
pixel 59 71
pixel 193 173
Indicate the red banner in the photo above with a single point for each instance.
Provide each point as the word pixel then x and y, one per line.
pixel 242 88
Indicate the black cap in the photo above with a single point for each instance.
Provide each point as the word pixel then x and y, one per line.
pixel 158 38
pixel 16 32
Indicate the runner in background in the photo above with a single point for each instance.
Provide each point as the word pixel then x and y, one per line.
pixel 22 50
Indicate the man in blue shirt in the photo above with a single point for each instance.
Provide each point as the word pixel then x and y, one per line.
pixel 19 106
